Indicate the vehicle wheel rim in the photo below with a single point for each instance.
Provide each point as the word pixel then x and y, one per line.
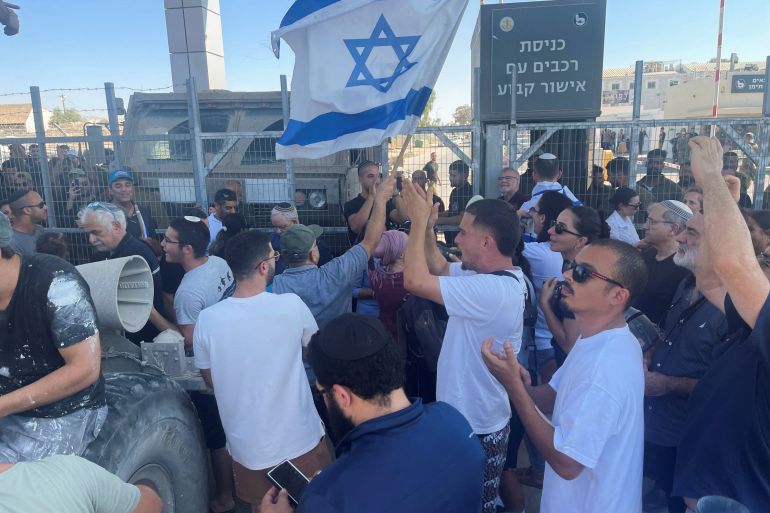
pixel 161 481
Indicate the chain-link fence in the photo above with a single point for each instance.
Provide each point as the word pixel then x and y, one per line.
pixel 181 156
pixel 586 152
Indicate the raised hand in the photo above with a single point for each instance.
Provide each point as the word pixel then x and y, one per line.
pixel 705 157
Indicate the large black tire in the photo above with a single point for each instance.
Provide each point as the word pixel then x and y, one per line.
pixel 153 434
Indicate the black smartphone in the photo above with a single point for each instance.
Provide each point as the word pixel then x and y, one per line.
pixel 288 477
pixel 399 183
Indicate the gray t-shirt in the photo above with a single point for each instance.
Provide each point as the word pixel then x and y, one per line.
pixel 24 243
pixel 326 290
pixel 202 287
pixel 64 483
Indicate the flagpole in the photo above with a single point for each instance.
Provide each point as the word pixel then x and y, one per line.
pixel 400 159
pixel 715 105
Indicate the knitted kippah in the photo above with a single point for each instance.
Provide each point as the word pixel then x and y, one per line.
pixel 678 208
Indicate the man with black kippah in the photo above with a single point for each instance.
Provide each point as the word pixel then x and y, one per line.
pixel 398 455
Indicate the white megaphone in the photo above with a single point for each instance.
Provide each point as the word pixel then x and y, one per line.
pixel 122 291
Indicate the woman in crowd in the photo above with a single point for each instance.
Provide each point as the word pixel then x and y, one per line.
pixel 574 229
pixel 626 204
pixel 545 264
pixel 759 229
pixel 387 277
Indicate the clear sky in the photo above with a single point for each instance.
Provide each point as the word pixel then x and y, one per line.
pixel 84 43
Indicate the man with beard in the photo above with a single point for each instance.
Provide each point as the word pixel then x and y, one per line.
pixel 594 445
pixel 654 187
pixel 29 212
pixel 244 346
pixel 692 328
pixel 724 449
pixel 484 296
pixel 394 455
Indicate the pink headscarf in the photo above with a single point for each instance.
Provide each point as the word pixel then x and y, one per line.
pixel 391 247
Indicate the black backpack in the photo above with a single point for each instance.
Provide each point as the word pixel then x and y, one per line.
pixel 530 309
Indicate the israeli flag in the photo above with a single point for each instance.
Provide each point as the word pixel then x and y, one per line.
pixel 364 69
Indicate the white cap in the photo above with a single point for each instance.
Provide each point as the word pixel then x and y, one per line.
pixel 477 197
pixel 678 208
pixel 547 156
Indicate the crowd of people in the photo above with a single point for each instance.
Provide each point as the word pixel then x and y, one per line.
pixel 408 374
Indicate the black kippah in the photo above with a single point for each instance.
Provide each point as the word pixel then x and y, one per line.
pixel 353 337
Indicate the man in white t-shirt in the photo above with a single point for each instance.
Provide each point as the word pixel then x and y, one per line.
pixel 484 296
pixel 594 446
pixel 249 349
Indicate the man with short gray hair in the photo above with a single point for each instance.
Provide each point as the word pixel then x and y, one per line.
pixel 105 225
pixel 665 221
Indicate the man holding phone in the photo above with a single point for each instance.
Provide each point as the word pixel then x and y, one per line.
pixel 402 456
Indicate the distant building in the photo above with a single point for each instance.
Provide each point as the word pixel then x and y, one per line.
pixel 671 89
pixel 16 119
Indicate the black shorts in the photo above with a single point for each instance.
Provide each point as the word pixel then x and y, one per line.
pixel 208 413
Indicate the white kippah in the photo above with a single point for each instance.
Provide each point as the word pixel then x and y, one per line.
pixel 477 197
pixel 547 156
pixel 678 208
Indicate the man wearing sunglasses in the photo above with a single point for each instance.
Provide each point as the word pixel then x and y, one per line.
pixel 594 445
pixel 29 211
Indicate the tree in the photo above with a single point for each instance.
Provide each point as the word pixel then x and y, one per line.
pixel 65 116
pixel 463 115
pixel 425 119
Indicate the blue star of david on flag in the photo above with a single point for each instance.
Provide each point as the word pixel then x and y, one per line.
pixel 395 49
pixel 382 36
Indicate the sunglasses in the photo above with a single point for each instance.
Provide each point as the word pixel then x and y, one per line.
pixel 581 273
pixel 98 205
pixel 560 228
pixel 36 205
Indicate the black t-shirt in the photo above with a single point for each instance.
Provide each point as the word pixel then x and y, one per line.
pixel 517 200
pixel 171 275
pixel 725 447
pixel 458 199
pixel 353 206
pixel 134 228
pixel 663 279
pixel 50 309
pixel 350 208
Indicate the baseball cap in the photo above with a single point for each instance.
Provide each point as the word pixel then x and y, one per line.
pixel 119 174
pixel 298 239
pixel 352 337
pixel 5 231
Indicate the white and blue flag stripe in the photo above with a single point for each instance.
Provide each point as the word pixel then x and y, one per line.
pixel 363 71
